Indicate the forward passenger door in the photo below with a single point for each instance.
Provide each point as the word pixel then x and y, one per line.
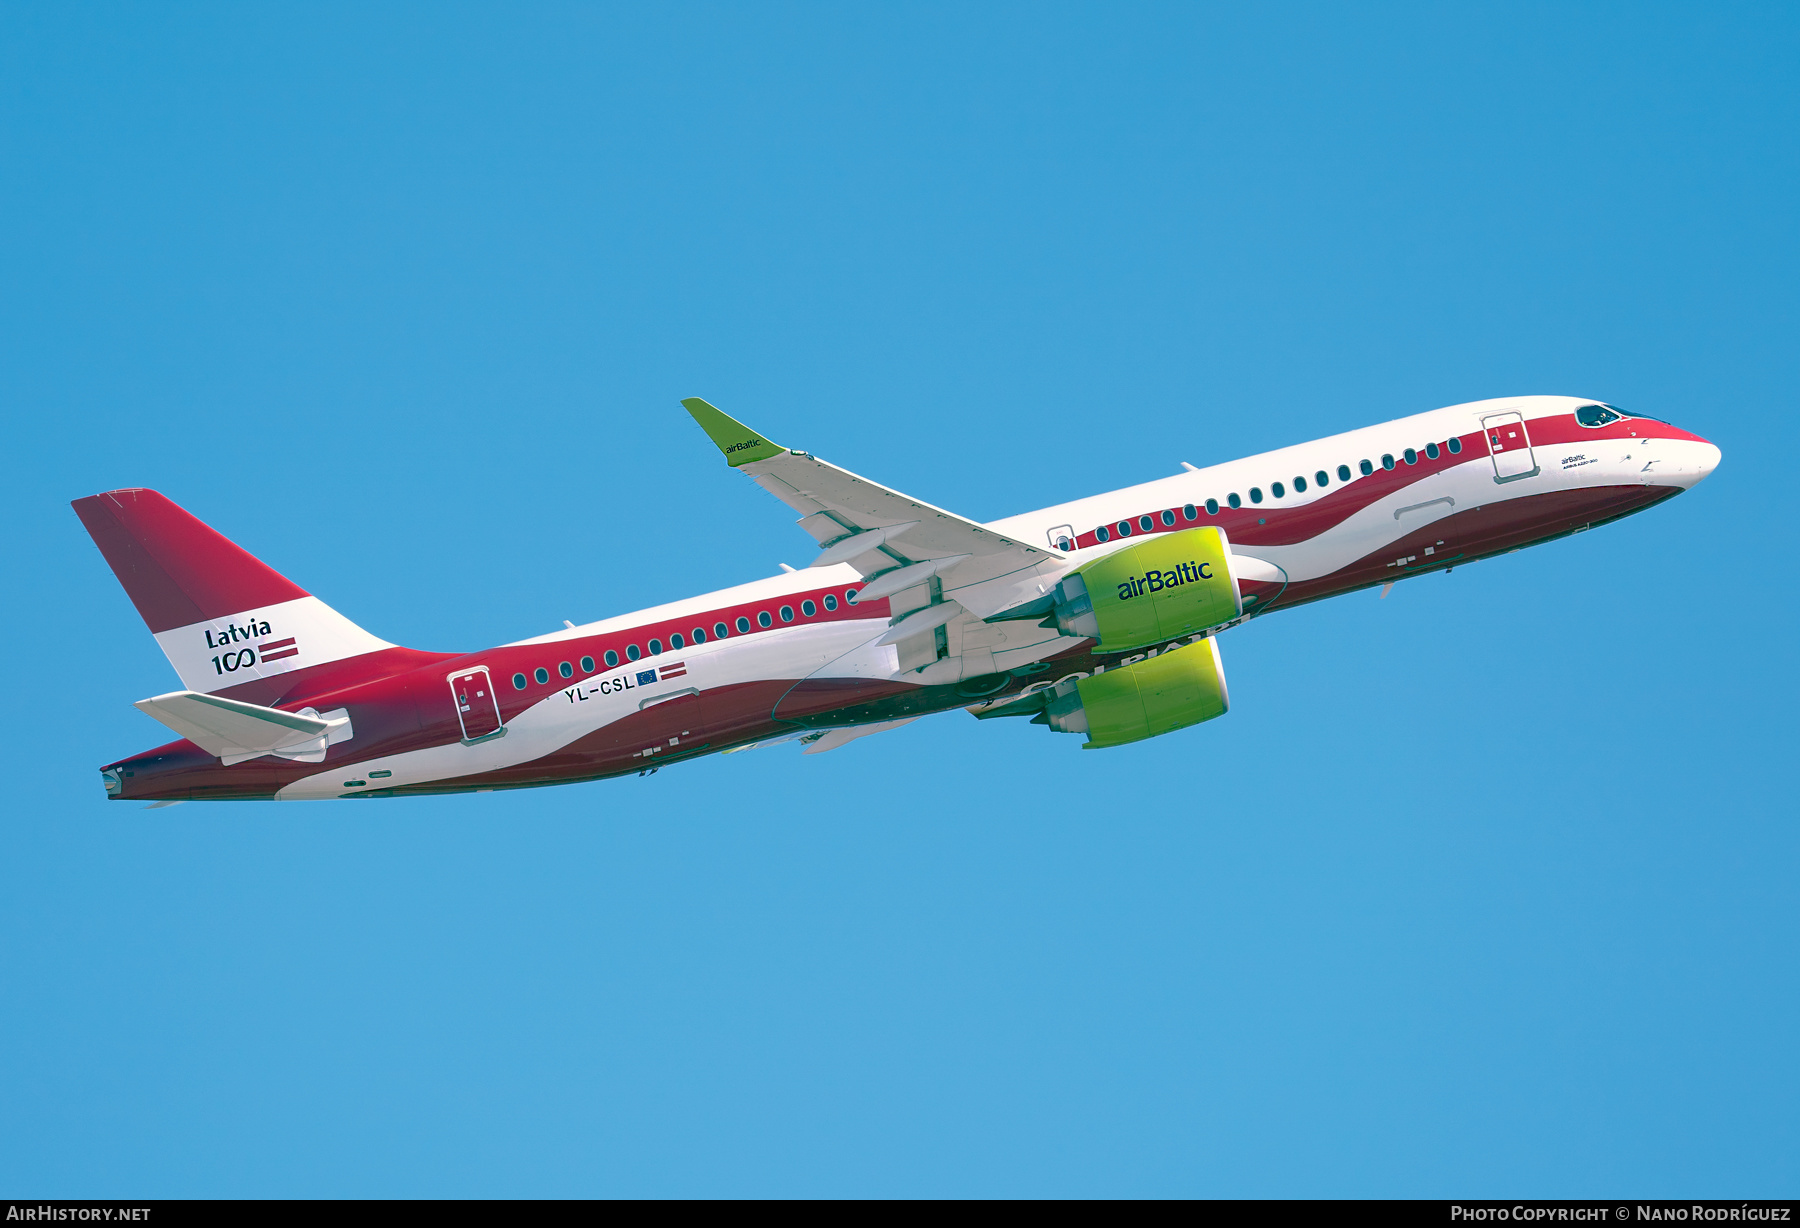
pixel 1510 446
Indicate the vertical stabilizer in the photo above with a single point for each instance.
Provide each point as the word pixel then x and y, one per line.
pixel 222 616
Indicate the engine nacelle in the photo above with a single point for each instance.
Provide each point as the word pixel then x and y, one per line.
pixel 1157 695
pixel 1164 587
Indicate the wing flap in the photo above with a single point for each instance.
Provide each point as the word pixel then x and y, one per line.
pixel 818 744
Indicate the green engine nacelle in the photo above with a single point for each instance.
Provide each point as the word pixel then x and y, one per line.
pixel 1157 695
pixel 1164 587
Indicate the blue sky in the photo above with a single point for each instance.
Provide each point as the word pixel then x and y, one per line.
pixel 1483 889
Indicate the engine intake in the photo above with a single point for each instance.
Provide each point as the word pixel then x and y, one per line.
pixel 1164 587
pixel 1158 695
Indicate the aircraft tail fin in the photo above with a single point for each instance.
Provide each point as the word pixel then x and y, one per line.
pixel 222 616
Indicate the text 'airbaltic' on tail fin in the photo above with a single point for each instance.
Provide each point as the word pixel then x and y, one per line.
pixel 222 616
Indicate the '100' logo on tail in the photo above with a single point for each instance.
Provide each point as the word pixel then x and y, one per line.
pixel 1157 581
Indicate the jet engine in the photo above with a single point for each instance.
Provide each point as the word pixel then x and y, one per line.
pixel 1157 695
pixel 1164 587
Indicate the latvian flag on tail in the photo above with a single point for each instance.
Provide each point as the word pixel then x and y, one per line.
pixel 666 672
pixel 274 650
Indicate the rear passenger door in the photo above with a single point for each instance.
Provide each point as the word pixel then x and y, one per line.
pixel 477 707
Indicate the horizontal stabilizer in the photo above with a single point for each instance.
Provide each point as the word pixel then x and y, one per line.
pixel 236 731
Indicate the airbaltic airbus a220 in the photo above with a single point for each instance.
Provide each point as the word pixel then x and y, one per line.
pixel 1099 617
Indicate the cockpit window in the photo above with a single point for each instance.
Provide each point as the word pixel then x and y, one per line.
pixel 1600 415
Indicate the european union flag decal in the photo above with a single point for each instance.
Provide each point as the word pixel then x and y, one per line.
pixel 647 677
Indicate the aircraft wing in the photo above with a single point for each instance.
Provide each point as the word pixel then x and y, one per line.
pixel 831 739
pixel 896 540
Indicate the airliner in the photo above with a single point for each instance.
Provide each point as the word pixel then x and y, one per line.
pixel 1099 618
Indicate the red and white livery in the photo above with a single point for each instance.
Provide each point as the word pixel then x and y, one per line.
pixel 1096 617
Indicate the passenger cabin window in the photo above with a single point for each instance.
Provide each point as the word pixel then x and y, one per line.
pixel 587 665
pixel 1278 488
pixel 1101 534
pixel 1343 473
pixel 720 631
pixel 1431 451
pixel 655 647
pixel 1412 457
pixel 699 635
pixel 1597 415
pixel 633 652
pixel 566 670
pixel 1299 485
pixel 763 619
pixel 611 658
pixel 1168 518
pixel 808 608
pixel 1256 494
pixel 1233 499
pixel 541 674
pixel 1455 446
pixel 518 682
pixel 743 626
pixel 1367 468
pixel 675 641
pixel 1190 512
pixel 1387 460
pixel 787 613
pixel 1146 523
pixel 830 601
pixel 1124 528
pixel 1212 507
pixel 1322 478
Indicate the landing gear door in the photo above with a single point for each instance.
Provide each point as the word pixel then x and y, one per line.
pixel 477 707
pixel 1510 447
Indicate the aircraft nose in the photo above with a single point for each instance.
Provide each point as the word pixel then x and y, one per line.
pixel 1708 460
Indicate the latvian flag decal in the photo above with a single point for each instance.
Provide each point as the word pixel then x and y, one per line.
pixel 274 650
pixel 666 672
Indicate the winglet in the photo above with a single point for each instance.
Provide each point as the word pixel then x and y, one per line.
pixel 739 443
